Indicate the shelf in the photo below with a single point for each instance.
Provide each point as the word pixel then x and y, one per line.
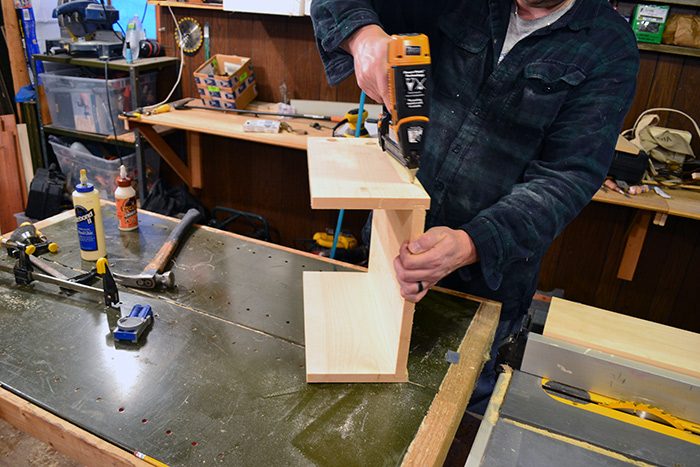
pixel 143 64
pixel 203 6
pixel 669 49
pixel 679 2
pixel 126 139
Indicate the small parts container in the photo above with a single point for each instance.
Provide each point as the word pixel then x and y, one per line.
pixel 102 173
pixel 79 103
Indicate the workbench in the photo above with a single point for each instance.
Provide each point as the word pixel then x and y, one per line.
pixel 196 121
pixel 219 378
pixel 651 208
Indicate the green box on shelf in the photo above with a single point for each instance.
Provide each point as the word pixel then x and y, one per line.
pixel 648 22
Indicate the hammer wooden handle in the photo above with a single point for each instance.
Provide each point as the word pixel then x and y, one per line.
pixel 166 251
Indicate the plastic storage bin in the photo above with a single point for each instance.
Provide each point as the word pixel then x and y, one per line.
pixel 102 173
pixel 78 103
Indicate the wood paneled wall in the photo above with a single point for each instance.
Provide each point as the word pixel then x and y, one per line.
pixel 282 50
pixel 583 260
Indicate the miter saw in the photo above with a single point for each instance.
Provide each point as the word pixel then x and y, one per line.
pixel 86 28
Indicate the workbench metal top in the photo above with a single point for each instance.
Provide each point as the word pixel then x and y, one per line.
pixel 220 376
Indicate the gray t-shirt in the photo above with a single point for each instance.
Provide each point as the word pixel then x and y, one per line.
pixel 519 28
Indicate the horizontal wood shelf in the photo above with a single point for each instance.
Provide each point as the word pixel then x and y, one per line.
pixel 204 6
pixel 142 64
pixel 669 49
pixel 125 139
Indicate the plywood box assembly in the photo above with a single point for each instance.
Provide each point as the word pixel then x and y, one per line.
pixel 357 326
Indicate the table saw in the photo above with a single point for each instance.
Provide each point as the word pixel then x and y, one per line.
pixel 560 403
pixel 218 378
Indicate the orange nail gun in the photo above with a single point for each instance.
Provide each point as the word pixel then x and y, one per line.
pixel 402 127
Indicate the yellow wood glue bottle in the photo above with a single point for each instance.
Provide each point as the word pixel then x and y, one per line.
pixel 125 196
pixel 88 214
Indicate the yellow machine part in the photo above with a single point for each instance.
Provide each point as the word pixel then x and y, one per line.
pixel 620 410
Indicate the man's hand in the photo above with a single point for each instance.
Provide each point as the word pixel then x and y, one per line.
pixel 434 255
pixel 369 47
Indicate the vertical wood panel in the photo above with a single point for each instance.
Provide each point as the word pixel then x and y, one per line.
pixel 645 79
pixel 637 295
pixel 269 59
pixel 608 283
pixel 665 84
pixel 583 253
pixel 687 99
pixel 548 271
pixel 686 311
pixel 305 73
pixel 681 237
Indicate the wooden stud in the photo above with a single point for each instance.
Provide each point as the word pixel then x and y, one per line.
pixel 633 247
pixel 75 442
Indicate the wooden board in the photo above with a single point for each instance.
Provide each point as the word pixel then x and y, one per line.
pixel 75 442
pixel 684 203
pixel 357 326
pixel 649 200
pixel 13 37
pixel 633 338
pixel 12 187
pixel 227 124
pixel 25 153
pixel 355 173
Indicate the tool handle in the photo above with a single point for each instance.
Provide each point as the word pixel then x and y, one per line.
pixel 166 251
pixel 140 311
pixel 159 110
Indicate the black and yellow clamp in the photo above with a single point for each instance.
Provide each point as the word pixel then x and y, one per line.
pixel 24 273
pixel 29 239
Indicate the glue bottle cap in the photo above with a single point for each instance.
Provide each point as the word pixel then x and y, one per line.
pixel 123 180
pixel 84 186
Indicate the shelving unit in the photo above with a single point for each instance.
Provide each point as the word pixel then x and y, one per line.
pixel 129 139
pixel 666 48
pixel 204 6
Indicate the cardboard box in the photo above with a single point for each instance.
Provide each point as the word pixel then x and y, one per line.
pixel 226 82
pixel 648 22
pixel 237 99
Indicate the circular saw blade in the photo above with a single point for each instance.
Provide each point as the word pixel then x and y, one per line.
pixel 191 39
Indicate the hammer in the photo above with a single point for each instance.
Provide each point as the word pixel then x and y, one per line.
pixel 153 274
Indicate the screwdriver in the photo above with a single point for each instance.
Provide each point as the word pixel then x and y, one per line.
pixel 158 110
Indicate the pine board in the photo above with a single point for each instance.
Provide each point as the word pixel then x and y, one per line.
pixel 354 173
pixel 357 326
pixel 639 340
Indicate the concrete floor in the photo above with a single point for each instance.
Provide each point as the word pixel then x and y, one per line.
pixel 18 449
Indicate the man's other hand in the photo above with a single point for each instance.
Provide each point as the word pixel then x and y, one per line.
pixel 434 255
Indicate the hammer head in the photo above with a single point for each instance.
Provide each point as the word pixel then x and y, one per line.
pixel 147 280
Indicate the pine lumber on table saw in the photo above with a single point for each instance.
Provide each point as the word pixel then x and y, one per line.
pixel 639 340
pixel 357 325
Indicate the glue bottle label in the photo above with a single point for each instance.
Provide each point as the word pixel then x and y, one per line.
pixel 87 234
pixel 126 213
